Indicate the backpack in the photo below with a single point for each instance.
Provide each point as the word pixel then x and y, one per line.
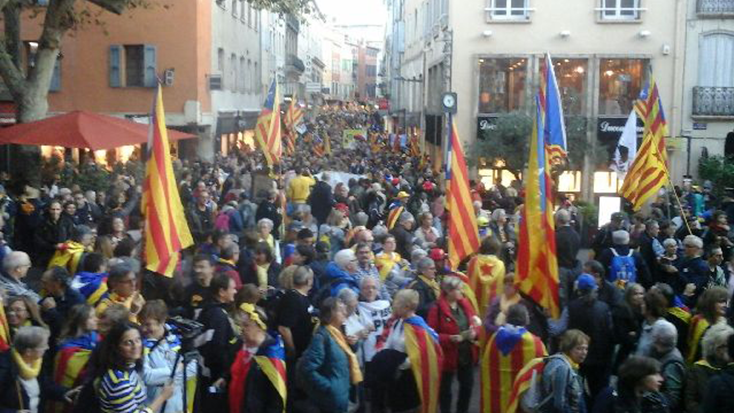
pixel 532 400
pixel 622 269
pixel 87 401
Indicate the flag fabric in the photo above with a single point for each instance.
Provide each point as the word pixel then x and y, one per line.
pixel 294 115
pixel 486 274
pixel 523 381
pixel 506 353
pixel 68 256
pixel 649 170
pixel 414 147
pixel 629 141
pixel 70 365
pixel 696 330
pixel 537 263
pixel 463 234
pixel 166 229
pixel 93 286
pixel 270 360
pixel 393 215
pixel 290 143
pixel 318 147
pixel 554 128
pixel 4 330
pixel 267 131
pixel 426 359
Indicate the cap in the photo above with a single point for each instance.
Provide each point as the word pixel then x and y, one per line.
pixel 586 282
pixel 436 254
pixel 403 194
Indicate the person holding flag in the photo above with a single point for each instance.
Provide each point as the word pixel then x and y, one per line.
pixel 268 128
pixel 396 208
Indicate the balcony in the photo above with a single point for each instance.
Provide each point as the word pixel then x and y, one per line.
pixel 294 66
pixel 713 102
pixel 715 8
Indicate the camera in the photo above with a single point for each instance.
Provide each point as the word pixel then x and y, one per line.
pixel 188 330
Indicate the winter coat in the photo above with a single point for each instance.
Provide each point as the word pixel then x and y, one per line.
pixel 219 352
pixel 324 370
pixel 442 320
pixel 48 235
pixel 427 297
pixel 595 319
pixel 159 356
pixel 337 279
pixel 11 389
pixel 697 383
pixel 720 394
pixel 321 201
pixel 695 271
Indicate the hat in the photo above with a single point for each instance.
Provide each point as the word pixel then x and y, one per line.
pixel 436 254
pixel 402 194
pixel 586 282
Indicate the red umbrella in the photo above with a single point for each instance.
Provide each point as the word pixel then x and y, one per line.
pixel 80 129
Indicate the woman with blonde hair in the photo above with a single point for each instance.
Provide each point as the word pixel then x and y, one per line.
pixel 715 357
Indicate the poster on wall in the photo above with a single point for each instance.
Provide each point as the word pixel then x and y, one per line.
pixel 607 206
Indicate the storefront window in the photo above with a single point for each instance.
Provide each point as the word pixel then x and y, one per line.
pixel 502 84
pixel 620 83
pixel 571 75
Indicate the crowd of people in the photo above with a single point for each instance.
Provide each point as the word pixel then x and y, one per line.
pixel 313 294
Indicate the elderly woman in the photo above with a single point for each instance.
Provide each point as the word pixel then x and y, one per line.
pixel 264 233
pixel 664 350
pixel 251 389
pixel 561 383
pixel 356 329
pixel 340 273
pixel 712 306
pixel 264 270
pixel 458 327
pixel 329 366
pixel 637 391
pixel 693 270
pixel 21 311
pixel 374 314
pixel 715 358
pixel 335 229
pixel 119 368
pixel 22 385
pixel 426 285
pixel 667 269
pixel 426 234
pixel 501 230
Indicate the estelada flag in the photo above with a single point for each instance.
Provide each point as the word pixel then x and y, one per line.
pixel 523 381
pixel 505 354
pixel 426 359
pixel 271 361
pixel 537 263
pixel 393 215
pixel 166 229
pixel 486 274
pixel 70 364
pixel 267 130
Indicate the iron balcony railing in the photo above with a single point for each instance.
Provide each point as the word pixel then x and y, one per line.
pixel 713 101
pixel 715 8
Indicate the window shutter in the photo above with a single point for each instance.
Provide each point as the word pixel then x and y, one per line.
pixel 56 78
pixel 150 66
pixel 115 66
pixel 42 2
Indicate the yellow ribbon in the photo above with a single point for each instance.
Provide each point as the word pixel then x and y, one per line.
pixel 249 309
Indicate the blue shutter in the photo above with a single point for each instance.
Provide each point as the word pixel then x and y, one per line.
pixel 42 2
pixel 56 77
pixel 115 70
pixel 150 66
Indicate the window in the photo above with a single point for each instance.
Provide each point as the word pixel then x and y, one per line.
pixel 508 10
pixel 255 79
pixel 620 83
pixel 234 8
pixel 133 66
pixel 233 72
pixel 716 60
pixel 243 10
pixel 502 84
pixel 571 75
pixel 134 73
pixel 243 75
pixel 249 15
pixel 620 10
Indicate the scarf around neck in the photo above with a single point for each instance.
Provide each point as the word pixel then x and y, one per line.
pixel 433 284
pixel 27 372
pixel 355 374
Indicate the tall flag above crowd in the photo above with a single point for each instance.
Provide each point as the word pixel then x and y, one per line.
pixel 649 170
pixel 293 118
pixel 554 128
pixel 166 229
pixel 536 261
pixel 267 131
pixel 463 235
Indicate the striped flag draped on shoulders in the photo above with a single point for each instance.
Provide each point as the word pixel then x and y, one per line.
pixel 649 170
pixel 537 263
pixel 267 130
pixel 166 229
pixel 426 359
pixel 463 235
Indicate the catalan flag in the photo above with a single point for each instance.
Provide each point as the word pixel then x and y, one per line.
pixel 267 131
pixel 70 364
pixel 486 274
pixel 696 330
pixel 394 215
pixel 68 257
pixel 290 143
pixel 554 129
pixel 294 115
pixel 4 330
pixel 166 230
pixel 426 359
pixel 649 170
pixel 463 235
pixel 271 361
pixel 537 264
pixel 523 381
pixel 318 147
pixel 505 354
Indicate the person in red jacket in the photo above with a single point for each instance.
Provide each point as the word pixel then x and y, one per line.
pixel 458 326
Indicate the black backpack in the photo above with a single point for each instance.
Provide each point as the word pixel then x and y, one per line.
pixel 88 399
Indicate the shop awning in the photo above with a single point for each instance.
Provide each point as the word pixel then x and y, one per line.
pixel 80 129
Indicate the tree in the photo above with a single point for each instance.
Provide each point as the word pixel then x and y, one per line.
pixel 298 8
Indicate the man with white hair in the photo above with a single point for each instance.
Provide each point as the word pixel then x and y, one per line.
pixel 623 264
pixel 693 270
pixel 341 273
pixel 403 234
pixel 15 267
pixel 673 370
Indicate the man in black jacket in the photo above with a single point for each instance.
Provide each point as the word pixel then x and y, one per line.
pixel 720 394
pixel 568 243
pixel 321 199
pixel 651 247
pixel 268 209
pixel 403 235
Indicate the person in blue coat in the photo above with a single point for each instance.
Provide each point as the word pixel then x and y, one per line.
pixel 329 367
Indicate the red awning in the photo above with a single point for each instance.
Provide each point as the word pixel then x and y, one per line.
pixel 81 129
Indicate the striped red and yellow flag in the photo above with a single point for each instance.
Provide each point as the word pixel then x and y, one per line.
pixel 506 353
pixel 275 371
pixel 486 274
pixel 426 359
pixel 267 131
pixel 523 381
pixel 696 330
pixel 4 330
pixel 537 263
pixel 166 229
pixel 463 235
pixel 393 215
pixel 649 170
pixel 290 143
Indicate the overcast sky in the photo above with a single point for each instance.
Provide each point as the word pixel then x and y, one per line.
pixel 354 11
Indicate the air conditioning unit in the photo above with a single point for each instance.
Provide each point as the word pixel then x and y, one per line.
pixel 215 82
pixel 168 76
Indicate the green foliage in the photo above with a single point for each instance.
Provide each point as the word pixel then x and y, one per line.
pixel 297 8
pixel 507 143
pixel 717 169
pixel 589 213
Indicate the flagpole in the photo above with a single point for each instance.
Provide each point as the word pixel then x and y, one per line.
pixel 677 198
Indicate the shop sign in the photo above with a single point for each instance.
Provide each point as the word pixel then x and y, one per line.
pixel 611 128
pixel 700 126
pixel 486 124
